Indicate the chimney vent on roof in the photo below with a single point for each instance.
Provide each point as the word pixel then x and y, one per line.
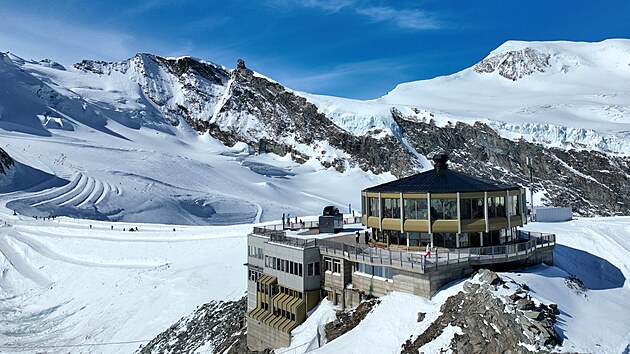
pixel 439 161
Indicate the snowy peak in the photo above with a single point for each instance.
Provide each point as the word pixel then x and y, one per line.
pixel 514 65
pixel 516 59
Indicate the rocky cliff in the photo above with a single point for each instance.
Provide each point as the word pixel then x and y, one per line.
pixel 6 162
pixel 486 321
pixel 590 182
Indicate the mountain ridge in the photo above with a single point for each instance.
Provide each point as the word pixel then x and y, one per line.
pixel 395 133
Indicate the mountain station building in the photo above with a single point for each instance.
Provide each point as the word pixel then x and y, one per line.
pixel 423 231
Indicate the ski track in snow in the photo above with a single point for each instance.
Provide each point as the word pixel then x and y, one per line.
pixel 51 252
pixel 82 191
pixel 20 262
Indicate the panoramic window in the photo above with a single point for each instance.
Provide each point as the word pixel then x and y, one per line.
pixel 471 208
pixel 415 209
pixel 515 208
pixel 444 209
pixel 373 207
pixel 496 207
pixel 391 208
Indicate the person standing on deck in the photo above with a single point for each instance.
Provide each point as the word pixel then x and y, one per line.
pixel 367 238
pixel 357 236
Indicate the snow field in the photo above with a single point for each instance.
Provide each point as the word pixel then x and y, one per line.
pixel 97 285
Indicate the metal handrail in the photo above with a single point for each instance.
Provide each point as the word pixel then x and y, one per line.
pixel 410 259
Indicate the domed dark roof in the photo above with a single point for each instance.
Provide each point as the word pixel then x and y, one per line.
pixel 441 180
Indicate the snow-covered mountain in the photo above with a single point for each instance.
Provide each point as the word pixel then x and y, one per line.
pixel 172 145
pixel 565 103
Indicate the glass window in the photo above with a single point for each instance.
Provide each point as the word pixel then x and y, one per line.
pixel 465 208
pixel 373 206
pixel 515 205
pixel 471 208
pixel 300 269
pixel 464 241
pixel 317 268
pixel 336 266
pixel 443 209
pixel 391 208
pixel 496 207
pixel 500 203
pixel 415 209
pixel 310 270
pixel 444 239
pixel 328 264
pixel 363 204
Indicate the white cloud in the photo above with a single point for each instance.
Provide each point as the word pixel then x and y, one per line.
pixel 331 77
pixel 414 19
pixel 328 5
pixel 403 18
pixel 331 6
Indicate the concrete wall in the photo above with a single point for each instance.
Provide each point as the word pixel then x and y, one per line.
pixel 421 284
pixel 261 336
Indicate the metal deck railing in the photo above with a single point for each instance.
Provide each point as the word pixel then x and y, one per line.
pixel 526 243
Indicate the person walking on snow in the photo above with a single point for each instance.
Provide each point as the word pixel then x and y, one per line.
pixel 428 250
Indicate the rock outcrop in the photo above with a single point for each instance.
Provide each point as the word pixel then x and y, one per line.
pixel 348 319
pixel 217 326
pixel 514 64
pixel 6 162
pixel 491 323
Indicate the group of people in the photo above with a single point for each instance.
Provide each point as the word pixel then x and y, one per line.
pixel 288 221
pixel 366 237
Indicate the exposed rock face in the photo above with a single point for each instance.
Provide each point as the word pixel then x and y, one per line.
pixel 514 65
pixel 239 105
pixel 269 118
pixel 347 320
pixel 219 325
pixel 589 182
pixel 490 324
pixel 6 162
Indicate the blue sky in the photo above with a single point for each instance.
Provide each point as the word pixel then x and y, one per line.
pixel 349 48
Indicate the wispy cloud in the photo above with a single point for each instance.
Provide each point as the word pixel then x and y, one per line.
pixel 403 18
pixel 39 37
pixel 348 73
pixel 408 18
pixel 330 6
